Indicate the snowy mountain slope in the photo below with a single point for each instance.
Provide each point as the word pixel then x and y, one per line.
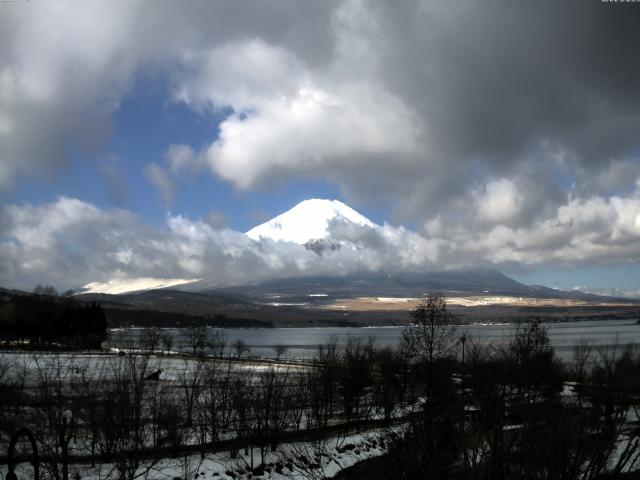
pixel 309 222
pixel 324 225
pixel 133 285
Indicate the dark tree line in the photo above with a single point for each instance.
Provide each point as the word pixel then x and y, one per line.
pixel 46 320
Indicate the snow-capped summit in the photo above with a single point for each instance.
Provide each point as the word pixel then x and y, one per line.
pixel 309 221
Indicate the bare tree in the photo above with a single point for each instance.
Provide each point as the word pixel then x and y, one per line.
pixel 388 385
pixel 57 413
pixel 280 350
pixel 534 366
pixel 150 339
pixel 432 333
pixel 167 343
pixel 216 403
pixel 218 343
pixel 328 378
pixel 582 357
pixel 13 377
pixel 47 291
pixel 125 414
pixel 355 375
pixel 196 337
pixel 191 385
pixel 431 337
pixel 240 346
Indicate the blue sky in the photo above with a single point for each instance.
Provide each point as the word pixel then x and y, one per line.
pixel 143 126
pixel 625 277
pixel 143 145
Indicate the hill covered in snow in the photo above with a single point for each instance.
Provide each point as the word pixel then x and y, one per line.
pixel 310 222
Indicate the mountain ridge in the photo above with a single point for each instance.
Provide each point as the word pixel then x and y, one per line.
pixel 315 224
pixel 483 282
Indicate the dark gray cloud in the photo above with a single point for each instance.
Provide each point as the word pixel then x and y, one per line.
pixel 497 78
pixel 503 83
pixel 436 89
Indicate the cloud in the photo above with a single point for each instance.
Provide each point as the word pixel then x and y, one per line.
pixel 65 69
pixel 60 78
pixel 583 231
pixel 215 219
pixel 500 202
pixel 619 174
pixel 308 133
pixel 161 180
pixel 510 145
pixel 182 157
pixel 286 118
pixel 112 171
pixel 424 96
pixel 69 243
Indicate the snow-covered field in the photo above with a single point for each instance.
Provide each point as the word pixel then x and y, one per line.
pixel 76 366
pixel 302 460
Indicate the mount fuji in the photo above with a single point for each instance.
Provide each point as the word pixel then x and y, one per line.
pixel 310 223
pixel 323 225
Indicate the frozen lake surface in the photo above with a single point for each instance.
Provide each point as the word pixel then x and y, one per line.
pixel 304 342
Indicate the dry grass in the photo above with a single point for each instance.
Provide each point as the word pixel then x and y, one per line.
pixel 364 304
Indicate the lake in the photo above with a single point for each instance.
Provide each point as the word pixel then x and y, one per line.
pixel 304 342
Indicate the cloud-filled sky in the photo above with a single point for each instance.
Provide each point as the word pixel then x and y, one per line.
pixel 141 139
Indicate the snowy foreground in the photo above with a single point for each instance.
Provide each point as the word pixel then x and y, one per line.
pixel 304 460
